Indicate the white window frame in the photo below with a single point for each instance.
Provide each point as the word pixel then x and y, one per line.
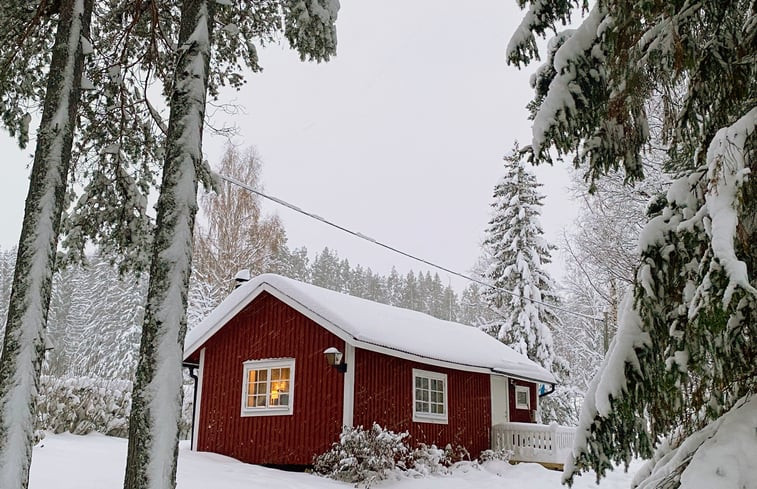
pixel 527 390
pixel 261 365
pixel 424 417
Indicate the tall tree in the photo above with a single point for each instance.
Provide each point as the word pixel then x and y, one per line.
pixel 518 251
pixel 235 233
pixel 7 263
pixel 681 369
pixel 156 411
pixel 601 251
pixel 94 305
pixel 154 424
pixel 24 345
pixel 326 271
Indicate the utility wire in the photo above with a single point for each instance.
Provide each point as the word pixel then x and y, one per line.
pixel 293 207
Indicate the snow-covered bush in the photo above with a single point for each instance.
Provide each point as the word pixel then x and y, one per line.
pixel 428 459
pixel 81 405
pixel 364 456
pixel 502 455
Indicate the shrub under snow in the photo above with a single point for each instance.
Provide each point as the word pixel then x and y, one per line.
pixel 364 456
pixel 81 405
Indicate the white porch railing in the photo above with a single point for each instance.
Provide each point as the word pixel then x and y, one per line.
pixel 547 444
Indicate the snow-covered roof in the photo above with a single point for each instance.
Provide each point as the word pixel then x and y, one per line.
pixel 377 327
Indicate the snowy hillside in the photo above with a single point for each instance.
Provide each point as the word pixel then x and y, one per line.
pixel 97 462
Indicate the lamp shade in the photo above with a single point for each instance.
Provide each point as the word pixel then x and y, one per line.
pixel 333 356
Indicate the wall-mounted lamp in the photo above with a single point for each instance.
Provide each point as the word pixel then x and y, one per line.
pixel 334 358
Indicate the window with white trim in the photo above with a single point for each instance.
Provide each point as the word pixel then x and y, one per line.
pixel 268 387
pixel 522 397
pixel 429 396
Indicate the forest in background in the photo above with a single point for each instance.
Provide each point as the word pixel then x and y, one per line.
pixel 96 311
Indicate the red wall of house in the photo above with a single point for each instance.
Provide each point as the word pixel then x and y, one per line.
pixel 384 393
pixel 522 415
pixel 268 328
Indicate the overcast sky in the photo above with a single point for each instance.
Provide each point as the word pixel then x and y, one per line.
pixel 400 137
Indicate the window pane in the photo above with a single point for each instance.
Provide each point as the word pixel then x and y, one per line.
pixel 522 398
pixel 262 375
pixel 260 401
pixel 275 373
pixel 251 376
pixel 284 400
pixel 285 373
pixel 424 395
pixel 417 382
pixel 424 382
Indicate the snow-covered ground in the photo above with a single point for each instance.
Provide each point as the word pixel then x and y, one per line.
pixel 97 462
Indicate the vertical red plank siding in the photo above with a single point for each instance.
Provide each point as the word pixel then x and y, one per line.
pixel 522 415
pixel 268 328
pixel 384 394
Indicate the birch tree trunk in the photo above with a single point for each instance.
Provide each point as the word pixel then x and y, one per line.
pixel 156 408
pixel 24 345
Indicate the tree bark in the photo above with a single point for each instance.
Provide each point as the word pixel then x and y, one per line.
pixel 156 408
pixel 24 345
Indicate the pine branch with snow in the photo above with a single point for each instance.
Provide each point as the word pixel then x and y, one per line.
pixel 684 352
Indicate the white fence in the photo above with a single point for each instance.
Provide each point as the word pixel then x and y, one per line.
pixel 550 444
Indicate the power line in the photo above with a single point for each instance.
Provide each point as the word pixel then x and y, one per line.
pixel 293 207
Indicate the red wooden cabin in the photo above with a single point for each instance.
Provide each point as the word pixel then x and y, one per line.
pixel 265 393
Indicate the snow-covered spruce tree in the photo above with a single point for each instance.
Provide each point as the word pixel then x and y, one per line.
pixel 92 306
pixel 680 374
pixel 514 241
pixel 517 253
pixel 24 345
pixel 157 396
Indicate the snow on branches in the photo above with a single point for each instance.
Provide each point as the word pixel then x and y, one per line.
pixel 518 251
pixel 685 349
pixel 678 332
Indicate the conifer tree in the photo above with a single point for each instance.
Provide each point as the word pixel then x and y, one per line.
pixel 514 241
pixel 157 397
pixel 681 367
pixel 24 345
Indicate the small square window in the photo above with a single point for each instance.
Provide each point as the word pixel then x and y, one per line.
pixel 522 397
pixel 267 387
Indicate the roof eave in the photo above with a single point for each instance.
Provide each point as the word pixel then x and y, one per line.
pixel 543 380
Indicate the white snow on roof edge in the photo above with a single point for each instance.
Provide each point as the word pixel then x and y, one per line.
pixel 377 327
